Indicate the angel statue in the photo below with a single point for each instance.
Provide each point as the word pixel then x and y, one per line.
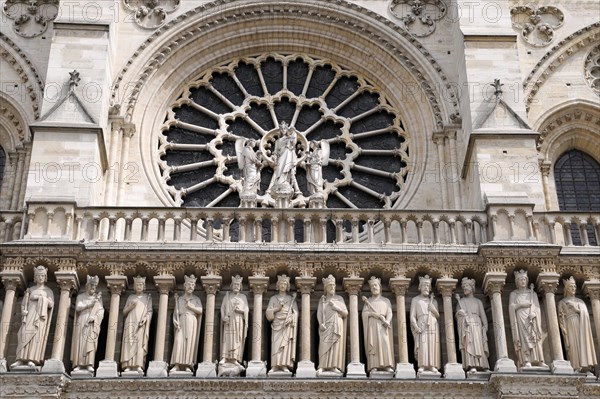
pixel 249 163
pixel 318 156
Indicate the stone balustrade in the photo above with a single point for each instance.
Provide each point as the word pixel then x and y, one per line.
pixel 305 225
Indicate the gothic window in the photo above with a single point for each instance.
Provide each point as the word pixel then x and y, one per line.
pixel 577 177
pixel 250 98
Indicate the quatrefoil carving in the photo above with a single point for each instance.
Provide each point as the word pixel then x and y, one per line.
pixel 31 17
pixel 537 24
pixel 151 14
pixel 418 16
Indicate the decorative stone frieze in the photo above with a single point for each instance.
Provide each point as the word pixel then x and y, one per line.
pixel 418 16
pixel 31 18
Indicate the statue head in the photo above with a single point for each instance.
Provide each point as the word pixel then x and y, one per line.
pixel 468 283
pixel 424 281
pixel 139 284
pixel 375 285
pixel 189 282
pixel 521 278
pixel 92 283
pixel 570 286
pixel 40 274
pixel 283 279
pixel 236 283
pixel 329 284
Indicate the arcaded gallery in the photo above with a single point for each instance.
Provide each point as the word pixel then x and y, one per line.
pixel 299 199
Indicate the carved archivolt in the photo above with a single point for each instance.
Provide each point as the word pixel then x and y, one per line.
pixel 31 17
pixel 419 16
pixel 151 14
pixel 592 69
pixel 19 61
pixel 561 52
pixel 219 13
pixel 537 24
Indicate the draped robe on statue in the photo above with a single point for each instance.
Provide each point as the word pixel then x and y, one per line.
pixel 284 325
pixel 574 320
pixel 332 344
pixel 233 333
pixel 427 342
pixel 89 313
pixel 33 334
pixel 185 345
pixel 135 337
pixel 472 340
pixel 526 326
pixel 378 338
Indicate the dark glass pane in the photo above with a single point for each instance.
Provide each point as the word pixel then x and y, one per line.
pixel 308 116
pixel 297 71
pixel 242 128
pixel 359 105
pixel 343 88
pixel 260 114
pixel 247 75
pixel 228 88
pixel 209 100
pixel 272 71
pixel 320 81
pixel 192 116
pixel 182 136
pixel 284 110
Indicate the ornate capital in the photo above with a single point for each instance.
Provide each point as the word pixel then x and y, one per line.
pixel 353 285
pixel 12 281
pixel 399 285
pixel 547 283
pixel 164 283
pixel 306 285
pixel 211 284
pixel 493 283
pixel 258 284
pixel 446 286
pixel 592 289
pixel 68 281
pixel 116 284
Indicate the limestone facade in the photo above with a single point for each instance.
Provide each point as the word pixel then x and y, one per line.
pixel 458 139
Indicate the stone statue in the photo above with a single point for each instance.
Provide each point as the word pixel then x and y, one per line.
pixel 526 322
pixel 282 312
pixel 89 313
pixel 424 324
pixel 136 330
pixel 318 156
pixel 472 328
pixel 234 329
pixel 36 311
pixel 249 162
pixel 574 321
pixel 377 319
pixel 284 156
pixel 187 319
pixel 331 314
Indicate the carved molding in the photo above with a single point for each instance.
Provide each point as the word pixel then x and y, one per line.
pixel 150 14
pixel 418 16
pixel 557 55
pixel 244 12
pixel 31 17
pixel 592 69
pixel 537 24
pixel 575 115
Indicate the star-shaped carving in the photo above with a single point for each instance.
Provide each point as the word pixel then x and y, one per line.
pixel 74 78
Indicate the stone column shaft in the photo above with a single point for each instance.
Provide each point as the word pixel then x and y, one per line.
pixel 452 369
pixel 306 368
pixel 68 282
pixel 164 285
pixel 256 367
pixel 493 283
pixel 353 286
pixel 116 285
pixel 211 284
pixel 592 290
pixel 11 282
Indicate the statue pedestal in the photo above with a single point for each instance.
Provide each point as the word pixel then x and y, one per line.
pixel 3 366
pixel 454 371
pixel 107 369
pixel 428 375
pixel 562 367
pixel 25 368
pixel 505 365
pixel 381 375
pixel 181 374
pixel 53 366
pixel 306 369
pixel 405 371
pixel 478 375
pixel 329 374
pixel 280 374
pixel 356 370
pixel 229 370
pixel 81 374
pixel 256 369
pixel 206 370
pixel 132 374
pixel 157 369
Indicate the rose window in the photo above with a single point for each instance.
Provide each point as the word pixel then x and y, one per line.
pixel 283 131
